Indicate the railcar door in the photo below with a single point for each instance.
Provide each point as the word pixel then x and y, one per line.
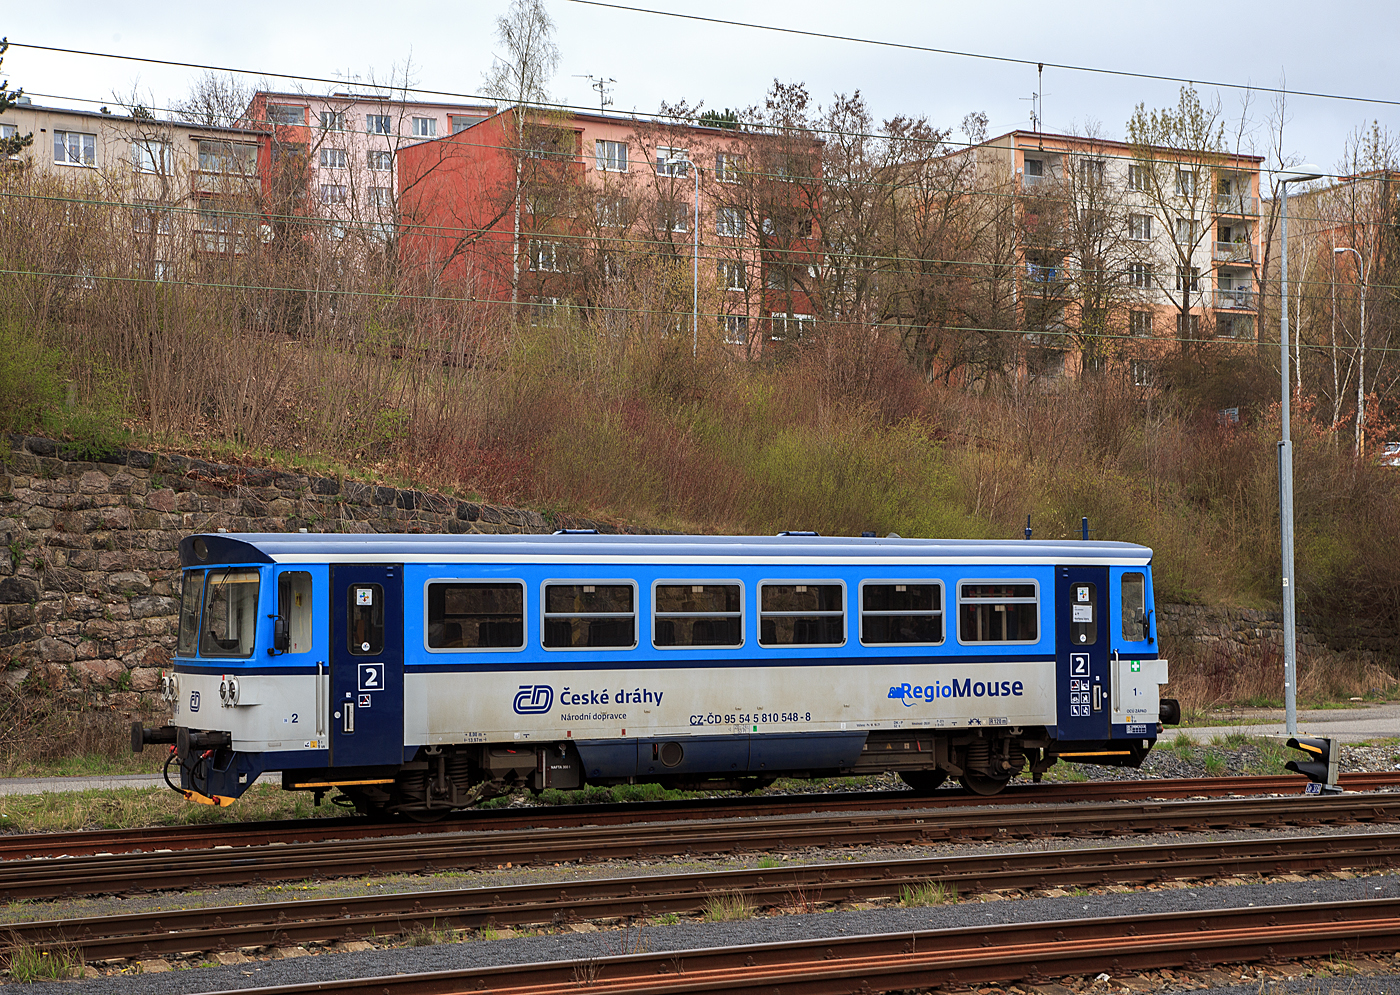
pixel 1081 652
pixel 366 664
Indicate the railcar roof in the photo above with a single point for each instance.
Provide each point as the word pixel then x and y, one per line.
pixel 302 547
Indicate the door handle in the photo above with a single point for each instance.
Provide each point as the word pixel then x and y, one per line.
pixel 347 722
pixel 1098 697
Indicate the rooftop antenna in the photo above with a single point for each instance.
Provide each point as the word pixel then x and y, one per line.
pixel 600 84
pixel 1037 100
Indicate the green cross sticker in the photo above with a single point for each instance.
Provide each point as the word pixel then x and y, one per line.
pixel 1136 666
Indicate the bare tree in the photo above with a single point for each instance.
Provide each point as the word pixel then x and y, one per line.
pixel 8 98
pixel 520 79
pixel 214 100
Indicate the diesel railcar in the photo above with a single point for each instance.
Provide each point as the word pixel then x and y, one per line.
pixel 421 673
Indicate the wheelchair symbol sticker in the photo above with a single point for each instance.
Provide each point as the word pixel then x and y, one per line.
pixel 1079 664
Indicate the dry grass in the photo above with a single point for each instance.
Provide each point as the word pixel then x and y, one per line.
pixel 728 908
pixel 43 734
pixel 129 808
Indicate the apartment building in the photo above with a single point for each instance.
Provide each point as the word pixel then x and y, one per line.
pixel 604 200
pixel 1124 254
pixel 188 187
pixel 335 157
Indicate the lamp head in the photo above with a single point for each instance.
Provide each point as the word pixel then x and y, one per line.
pixel 1299 174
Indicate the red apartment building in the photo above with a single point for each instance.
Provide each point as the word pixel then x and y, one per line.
pixel 606 221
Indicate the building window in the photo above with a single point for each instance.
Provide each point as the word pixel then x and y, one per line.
pixel 731 275
pixel 1140 323
pixel 1140 274
pixel 545 257
pixel 1186 183
pixel 729 222
pixel 74 148
pixel 1137 178
pixel 377 124
pixel 672 215
pixel 901 613
pixel 379 197
pixel 1142 373
pixel 801 615
pixel 460 122
pixel 1235 326
pixel 1140 227
pixel 1188 326
pixel 790 327
pixel 152 156
pixel 332 121
pixel 212 216
pixel 380 161
pixel 704 614
pixel 333 158
pixel 667 164
pixel 611 156
pixel 1188 281
pixel 476 615
pixel 728 166
pixel 590 616
pixel 736 329
pixel 286 114
pixel 610 211
pixel 1187 232
pixel 998 612
pixel 1034 172
pixel 1091 171
pixel 332 193
pixel 425 127
pixel 228 157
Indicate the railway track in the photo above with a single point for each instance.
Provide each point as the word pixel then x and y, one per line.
pixel 21 845
pixel 222 866
pixel 926 959
pixel 799 888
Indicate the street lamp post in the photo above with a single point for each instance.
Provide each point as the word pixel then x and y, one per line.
pixel 677 160
pixel 1285 472
pixel 1361 365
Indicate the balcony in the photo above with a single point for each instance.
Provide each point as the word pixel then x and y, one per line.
pixel 1050 279
pixel 1234 252
pixel 1235 300
pixel 1236 203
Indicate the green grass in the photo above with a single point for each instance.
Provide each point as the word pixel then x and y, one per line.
pixel 132 808
pixel 29 964
pixel 765 863
pixel 928 893
pixel 728 908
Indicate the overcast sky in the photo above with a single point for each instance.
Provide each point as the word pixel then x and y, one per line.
pixel 1341 49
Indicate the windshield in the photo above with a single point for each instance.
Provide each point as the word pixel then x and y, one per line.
pixel 230 613
pixel 191 598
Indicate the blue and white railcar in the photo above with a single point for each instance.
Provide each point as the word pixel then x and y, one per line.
pixel 420 673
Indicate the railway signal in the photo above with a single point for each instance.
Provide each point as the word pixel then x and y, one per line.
pixel 1319 765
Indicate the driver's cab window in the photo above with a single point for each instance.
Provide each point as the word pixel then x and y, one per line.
pixel 230 616
pixel 294 605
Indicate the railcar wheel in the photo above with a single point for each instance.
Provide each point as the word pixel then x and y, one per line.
pixel 425 815
pixel 923 781
pixel 983 784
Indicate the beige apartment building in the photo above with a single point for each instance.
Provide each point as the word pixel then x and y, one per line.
pixel 188 187
pixel 1125 255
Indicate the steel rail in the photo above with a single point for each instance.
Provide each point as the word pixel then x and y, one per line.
pixel 924 959
pixel 14 846
pixel 71 877
pixel 802 887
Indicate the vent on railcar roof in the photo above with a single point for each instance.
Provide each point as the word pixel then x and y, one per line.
pixel 575 532
pixel 797 533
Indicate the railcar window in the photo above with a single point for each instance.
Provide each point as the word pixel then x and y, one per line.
pixel 1134 607
pixel 294 604
pixel 998 612
pixel 365 615
pixel 901 613
pixel 698 615
pixel 191 600
pixel 230 613
pixel 801 615
pixel 476 616
pixel 590 616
